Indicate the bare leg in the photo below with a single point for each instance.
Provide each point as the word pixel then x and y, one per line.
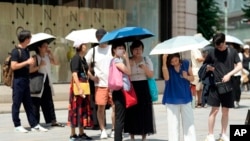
pixel 144 137
pixel 132 136
pixel 100 116
pixel 211 119
pixel 81 130
pixel 73 132
pixel 224 120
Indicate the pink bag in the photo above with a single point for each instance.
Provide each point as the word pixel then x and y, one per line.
pixel 115 81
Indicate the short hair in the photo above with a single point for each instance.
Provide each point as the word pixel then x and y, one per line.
pixel 100 32
pixel 23 35
pixel 136 44
pixel 115 45
pixel 218 39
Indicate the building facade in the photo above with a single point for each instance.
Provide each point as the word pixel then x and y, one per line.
pixel 164 18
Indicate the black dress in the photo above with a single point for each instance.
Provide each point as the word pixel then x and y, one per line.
pixel 139 119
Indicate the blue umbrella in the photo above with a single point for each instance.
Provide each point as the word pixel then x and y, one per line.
pixel 126 34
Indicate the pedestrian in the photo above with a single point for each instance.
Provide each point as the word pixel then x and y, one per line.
pixel 246 65
pixel 236 78
pixel 177 97
pixel 139 118
pixel 78 104
pixel 122 63
pixel 197 60
pixel 102 56
pixel 20 63
pixel 44 58
pixel 224 62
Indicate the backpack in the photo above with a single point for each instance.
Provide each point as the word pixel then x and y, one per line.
pixel 115 81
pixel 7 71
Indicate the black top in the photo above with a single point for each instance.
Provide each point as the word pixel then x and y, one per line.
pixel 77 64
pixel 20 57
pixel 223 61
pixel 246 61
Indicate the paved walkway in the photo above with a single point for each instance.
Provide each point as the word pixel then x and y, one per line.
pixel 237 116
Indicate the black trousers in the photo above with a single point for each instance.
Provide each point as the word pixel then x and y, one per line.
pixel 92 103
pixel 236 88
pixel 21 94
pixel 46 103
pixel 120 111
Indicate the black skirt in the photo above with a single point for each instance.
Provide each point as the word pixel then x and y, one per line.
pixel 139 119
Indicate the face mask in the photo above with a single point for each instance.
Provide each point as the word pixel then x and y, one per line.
pixel 119 52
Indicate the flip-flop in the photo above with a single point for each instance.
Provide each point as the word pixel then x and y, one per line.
pixel 57 125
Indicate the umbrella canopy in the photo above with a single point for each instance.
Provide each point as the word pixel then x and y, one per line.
pixel 38 38
pixel 232 39
pixel 179 44
pixel 86 35
pixel 126 34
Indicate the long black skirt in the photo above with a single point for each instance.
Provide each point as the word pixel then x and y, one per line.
pixel 139 119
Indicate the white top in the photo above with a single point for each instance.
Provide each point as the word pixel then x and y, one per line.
pixel 195 54
pixel 102 59
pixel 46 70
pixel 137 73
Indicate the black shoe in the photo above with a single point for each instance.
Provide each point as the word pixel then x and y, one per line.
pixel 84 137
pixel 73 138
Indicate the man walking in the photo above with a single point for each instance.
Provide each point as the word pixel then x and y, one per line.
pixel 224 62
pixel 20 62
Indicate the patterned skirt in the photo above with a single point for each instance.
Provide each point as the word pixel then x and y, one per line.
pixel 80 113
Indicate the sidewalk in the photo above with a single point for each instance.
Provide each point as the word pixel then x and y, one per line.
pixel 237 116
pixel 63 105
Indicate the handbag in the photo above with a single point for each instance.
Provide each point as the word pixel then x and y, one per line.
pixel 153 89
pixel 130 96
pixel 84 86
pixel 115 81
pixel 224 87
pixel 36 82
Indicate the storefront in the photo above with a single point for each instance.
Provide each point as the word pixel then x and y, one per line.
pixel 62 16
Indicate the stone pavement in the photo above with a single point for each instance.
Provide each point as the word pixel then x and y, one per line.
pixel 237 116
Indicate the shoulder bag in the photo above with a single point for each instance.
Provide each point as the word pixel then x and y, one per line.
pixel 36 81
pixel 130 96
pixel 84 85
pixel 153 89
pixel 115 81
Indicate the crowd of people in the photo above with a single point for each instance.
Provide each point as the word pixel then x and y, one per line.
pixel 212 77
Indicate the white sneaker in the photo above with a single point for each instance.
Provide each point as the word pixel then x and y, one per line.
pixel 112 134
pixel 21 129
pixel 39 128
pixel 104 134
pixel 224 137
pixel 210 138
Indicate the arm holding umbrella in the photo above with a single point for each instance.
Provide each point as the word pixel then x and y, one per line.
pixel 52 58
pixel 164 67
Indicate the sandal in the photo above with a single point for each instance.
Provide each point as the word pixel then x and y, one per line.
pixel 57 125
